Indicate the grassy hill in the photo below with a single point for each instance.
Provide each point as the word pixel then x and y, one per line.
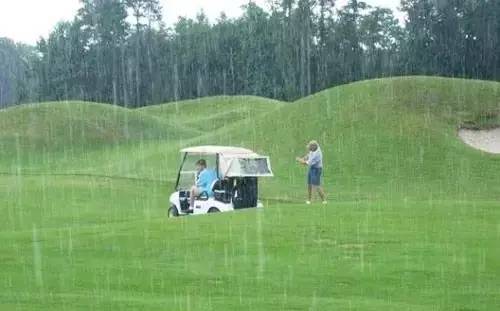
pixel 391 137
pixel 45 136
pixel 212 113
pixel 413 220
pixel 90 138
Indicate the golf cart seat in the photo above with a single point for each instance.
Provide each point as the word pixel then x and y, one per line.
pixel 204 195
pixel 222 190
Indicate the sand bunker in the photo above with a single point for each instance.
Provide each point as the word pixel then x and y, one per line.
pixel 485 140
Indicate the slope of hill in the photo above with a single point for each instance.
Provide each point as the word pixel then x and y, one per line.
pixel 31 133
pixel 396 137
pixel 390 136
pixel 89 138
pixel 212 113
pixel 69 125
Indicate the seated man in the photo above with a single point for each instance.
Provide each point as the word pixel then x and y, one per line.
pixel 206 178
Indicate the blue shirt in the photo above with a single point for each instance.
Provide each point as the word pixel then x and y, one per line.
pixel 205 180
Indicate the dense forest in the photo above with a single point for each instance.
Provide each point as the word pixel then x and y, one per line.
pixel 121 52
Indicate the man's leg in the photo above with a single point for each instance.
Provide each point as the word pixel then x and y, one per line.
pixel 309 193
pixel 194 194
pixel 318 186
pixel 321 193
pixel 309 186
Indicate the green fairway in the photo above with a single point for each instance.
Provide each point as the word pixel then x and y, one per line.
pixel 413 220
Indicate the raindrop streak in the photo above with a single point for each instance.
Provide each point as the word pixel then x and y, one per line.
pixel 70 242
pixel 18 156
pixel 37 258
pixel 260 250
pixel 314 303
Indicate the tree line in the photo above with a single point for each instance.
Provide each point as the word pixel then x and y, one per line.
pixel 120 51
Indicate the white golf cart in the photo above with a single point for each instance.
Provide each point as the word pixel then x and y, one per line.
pixel 236 187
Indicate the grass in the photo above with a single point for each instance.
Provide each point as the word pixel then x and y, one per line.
pixel 485 121
pixel 363 255
pixel 212 113
pixel 413 221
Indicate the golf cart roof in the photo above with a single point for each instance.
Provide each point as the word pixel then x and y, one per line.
pixel 235 161
pixel 222 150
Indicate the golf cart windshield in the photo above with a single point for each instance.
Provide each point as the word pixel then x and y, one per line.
pixel 246 167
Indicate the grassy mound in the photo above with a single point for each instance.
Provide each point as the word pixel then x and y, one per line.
pixel 71 124
pixel 48 135
pixel 212 113
pixel 390 137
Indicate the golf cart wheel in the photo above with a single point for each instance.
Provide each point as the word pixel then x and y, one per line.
pixel 213 210
pixel 173 212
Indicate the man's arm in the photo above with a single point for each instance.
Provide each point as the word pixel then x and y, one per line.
pixel 200 180
pixel 303 160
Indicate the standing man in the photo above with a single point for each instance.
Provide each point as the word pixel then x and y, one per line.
pixel 314 160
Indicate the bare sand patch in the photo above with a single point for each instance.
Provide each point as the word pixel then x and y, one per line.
pixel 484 140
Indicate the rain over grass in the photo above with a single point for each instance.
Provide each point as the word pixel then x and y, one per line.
pixel 413 220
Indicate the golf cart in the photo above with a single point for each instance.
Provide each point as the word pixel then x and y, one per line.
pixel 236 186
